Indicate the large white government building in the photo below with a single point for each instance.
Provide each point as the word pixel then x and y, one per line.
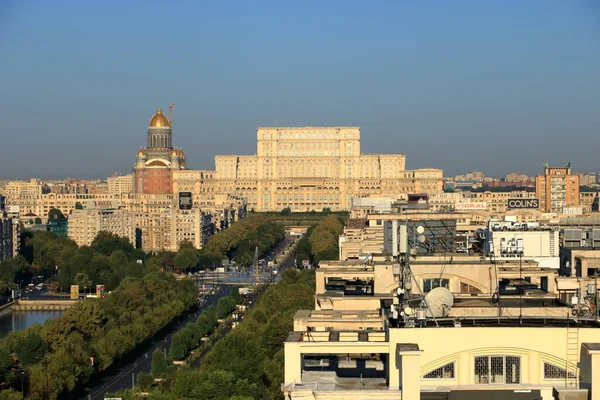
pixel 311 168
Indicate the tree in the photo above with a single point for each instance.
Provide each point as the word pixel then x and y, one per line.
pixel 238 355
pixel 235 295
pixel 167 259
pixel 83 280
pixel 6 363
pixel 326 210
pixel 144 380
pixel 38 220
pixel 159 363
pixel 177 349
pixel 186 244
pixel 55 213
pixel 286 211
pixel 107 242
pixel 31 349
pixel 78 206
pixel 186 258
pixel 204 325
pixel 211 313
pixel 225 306
pixel 9 394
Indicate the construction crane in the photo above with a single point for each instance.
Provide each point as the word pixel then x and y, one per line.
pixel 171 113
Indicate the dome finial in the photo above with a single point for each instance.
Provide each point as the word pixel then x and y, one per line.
pixel 159 120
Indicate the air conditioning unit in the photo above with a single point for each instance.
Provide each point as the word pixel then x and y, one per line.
pixel 573 234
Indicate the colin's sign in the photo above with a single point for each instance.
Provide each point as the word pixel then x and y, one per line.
pixel 523 203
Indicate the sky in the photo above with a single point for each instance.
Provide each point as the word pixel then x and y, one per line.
pixel 460 85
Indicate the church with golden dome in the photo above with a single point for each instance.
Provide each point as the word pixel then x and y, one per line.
pixel 155 163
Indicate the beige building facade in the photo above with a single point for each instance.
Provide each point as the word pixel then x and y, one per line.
pixel 84 225
pixel 30 187
pixel 356 344
pixel 311 168
pixel 557 188
pixel 120 184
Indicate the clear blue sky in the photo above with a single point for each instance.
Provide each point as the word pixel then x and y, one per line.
pixel 495 86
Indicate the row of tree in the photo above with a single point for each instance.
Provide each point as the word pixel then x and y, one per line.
pixel 321 241
pixel 248 363
pixel 239 241
pixel 53 359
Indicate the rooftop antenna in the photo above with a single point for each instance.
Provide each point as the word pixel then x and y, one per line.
pixel 171 114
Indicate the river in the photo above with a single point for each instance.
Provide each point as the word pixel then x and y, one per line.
pixel 22 319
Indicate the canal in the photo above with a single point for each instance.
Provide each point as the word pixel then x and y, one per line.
pixel 15 320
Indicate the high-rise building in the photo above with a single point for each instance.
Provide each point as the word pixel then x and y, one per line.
pixel 152 172
pixel 311 168
pixel 120 184
pixel 557 188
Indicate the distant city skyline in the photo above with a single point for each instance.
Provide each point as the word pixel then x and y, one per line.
pixel 496 87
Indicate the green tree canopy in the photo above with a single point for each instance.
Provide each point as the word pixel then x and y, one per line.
pixel 186 258
pixel 159 363
pixel 107 242
pixel 286 211
pixel 55 213
pixel 31 349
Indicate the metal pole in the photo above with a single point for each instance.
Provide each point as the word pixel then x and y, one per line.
pixel 521 289
pixel 132 379
pixel 596 294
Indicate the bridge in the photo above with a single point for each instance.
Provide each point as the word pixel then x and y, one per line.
pixel 42 305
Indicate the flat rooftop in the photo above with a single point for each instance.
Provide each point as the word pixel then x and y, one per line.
pixel 378 337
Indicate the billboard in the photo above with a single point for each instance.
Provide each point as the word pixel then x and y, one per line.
pixel 100 291
pixel 74 292
pixel 100 204
pixel 523 203
pixel 185 200
pixel 472 205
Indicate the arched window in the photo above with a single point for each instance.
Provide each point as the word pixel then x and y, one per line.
pixel 497 369
pixel 443 372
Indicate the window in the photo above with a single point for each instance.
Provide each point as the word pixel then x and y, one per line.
pixel 443 372
pixel 553 372
pixel 430 284
pixel 497 370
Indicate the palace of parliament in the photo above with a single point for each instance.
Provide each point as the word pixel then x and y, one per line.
pixel 303 168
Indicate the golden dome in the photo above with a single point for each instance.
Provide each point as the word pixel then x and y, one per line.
pixel 174 153
pixel 141 152
pixel 159 119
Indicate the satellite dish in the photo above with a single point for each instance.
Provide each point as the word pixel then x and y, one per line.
pixel 420 229
pixel 408 311
pixel 439 302
pixel 421 238
pixel 408 286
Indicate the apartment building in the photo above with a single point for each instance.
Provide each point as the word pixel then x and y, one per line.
pixel 120 184
pixel 557 188
pixel 434 326
pixel 84 225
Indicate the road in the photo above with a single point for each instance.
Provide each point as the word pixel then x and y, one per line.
pixel 121 377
